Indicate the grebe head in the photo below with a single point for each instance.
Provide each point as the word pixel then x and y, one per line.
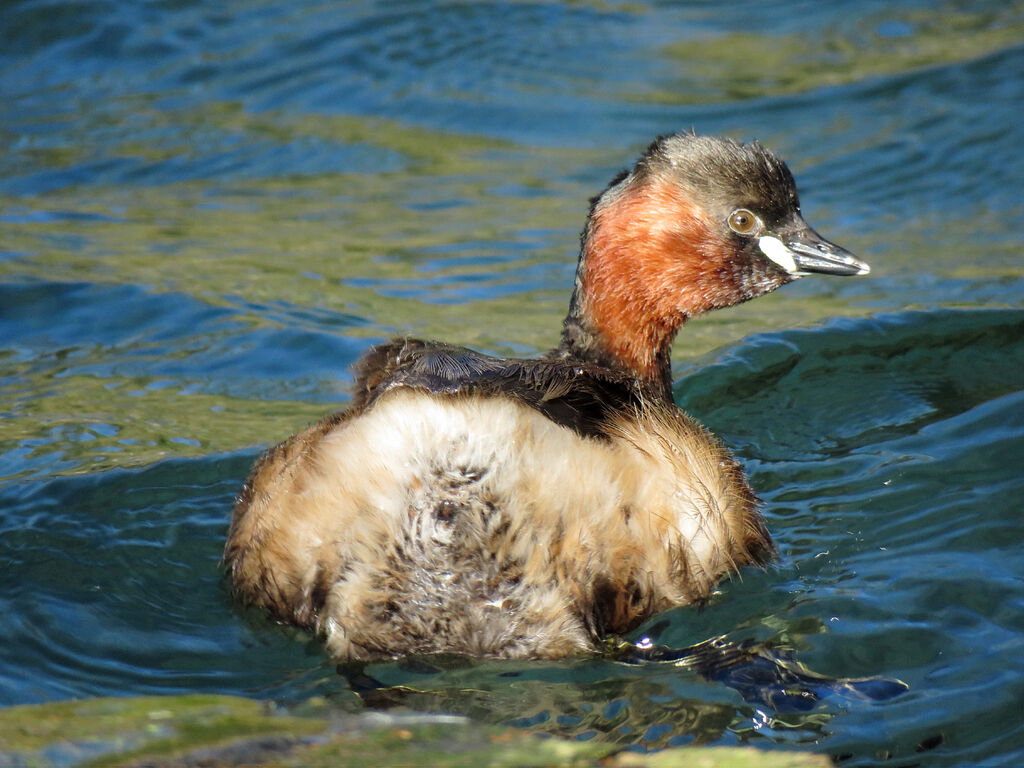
pixel 699 223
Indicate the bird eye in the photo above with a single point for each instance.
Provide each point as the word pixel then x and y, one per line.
pixel 743 222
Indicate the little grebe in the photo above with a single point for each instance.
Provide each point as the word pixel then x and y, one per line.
pixel 527 508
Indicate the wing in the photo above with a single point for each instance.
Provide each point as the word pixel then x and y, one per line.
pixel 576 395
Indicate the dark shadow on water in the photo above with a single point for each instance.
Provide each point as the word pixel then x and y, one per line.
pixel 644 711
pixel 765 675
pixel 825 392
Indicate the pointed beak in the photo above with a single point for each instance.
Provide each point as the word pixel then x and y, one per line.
pixel 802 251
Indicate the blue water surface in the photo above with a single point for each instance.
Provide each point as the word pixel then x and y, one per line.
pixel 209 210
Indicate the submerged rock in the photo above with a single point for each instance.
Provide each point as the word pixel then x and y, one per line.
pixel 202 730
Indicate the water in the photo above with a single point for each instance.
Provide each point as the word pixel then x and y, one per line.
pixel 207 211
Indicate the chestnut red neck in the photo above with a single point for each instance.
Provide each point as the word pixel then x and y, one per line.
pixel 700 223
pixel 650 259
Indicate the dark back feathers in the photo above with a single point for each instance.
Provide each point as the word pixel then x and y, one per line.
pixel 577 395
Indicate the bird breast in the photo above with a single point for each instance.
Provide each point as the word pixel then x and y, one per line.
pixel 475 524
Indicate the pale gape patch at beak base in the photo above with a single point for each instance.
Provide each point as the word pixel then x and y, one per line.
pixel 777 251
